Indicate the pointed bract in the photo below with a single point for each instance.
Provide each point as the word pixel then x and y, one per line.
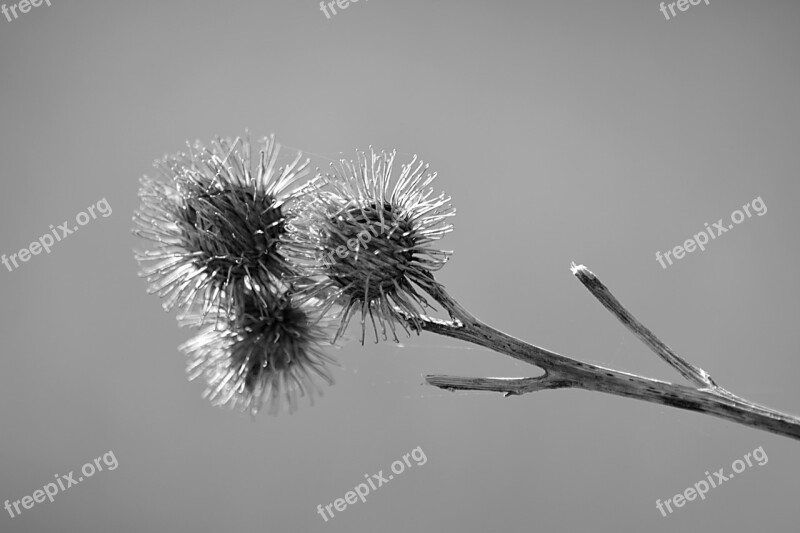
pixel 216 223
pixel 366 244
pixel 267 356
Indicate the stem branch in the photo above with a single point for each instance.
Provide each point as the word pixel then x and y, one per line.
pixel 565 372
pixel 693 374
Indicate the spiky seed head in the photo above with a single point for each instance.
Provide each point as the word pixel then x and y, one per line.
pixel 216 222
pixel 265 356
pixel 367 244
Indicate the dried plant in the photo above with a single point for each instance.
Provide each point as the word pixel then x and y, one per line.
pixel 237 248
pixel 273 352
pixel 216 224
pixel 382 280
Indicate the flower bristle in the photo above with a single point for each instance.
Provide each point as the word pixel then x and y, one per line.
pixel 240 251
pixel 382 276
pixel 266 355
pixel 216 223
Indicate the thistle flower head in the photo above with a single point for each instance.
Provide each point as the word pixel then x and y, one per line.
pixel 263 356
pixel 367 244
pixel 216 223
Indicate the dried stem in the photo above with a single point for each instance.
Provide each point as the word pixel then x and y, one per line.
pixel 510 386
pixel 693 374
pixel 565 372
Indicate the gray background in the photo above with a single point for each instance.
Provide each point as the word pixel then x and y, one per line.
pixel 590 131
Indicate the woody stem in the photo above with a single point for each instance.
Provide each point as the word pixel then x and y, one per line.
pixel 565 372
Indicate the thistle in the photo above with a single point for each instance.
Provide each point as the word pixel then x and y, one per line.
pixel 216 223
pixel 275 278
pixel 368 244
pixel 272 352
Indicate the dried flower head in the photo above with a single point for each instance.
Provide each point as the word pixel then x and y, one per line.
pixel 265 355
pixel 216 223
pixel 368 246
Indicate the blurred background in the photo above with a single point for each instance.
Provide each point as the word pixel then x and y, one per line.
pixel 594 132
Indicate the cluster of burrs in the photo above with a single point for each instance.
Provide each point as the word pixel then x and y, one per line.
pixel 237 248
pixel 271 267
